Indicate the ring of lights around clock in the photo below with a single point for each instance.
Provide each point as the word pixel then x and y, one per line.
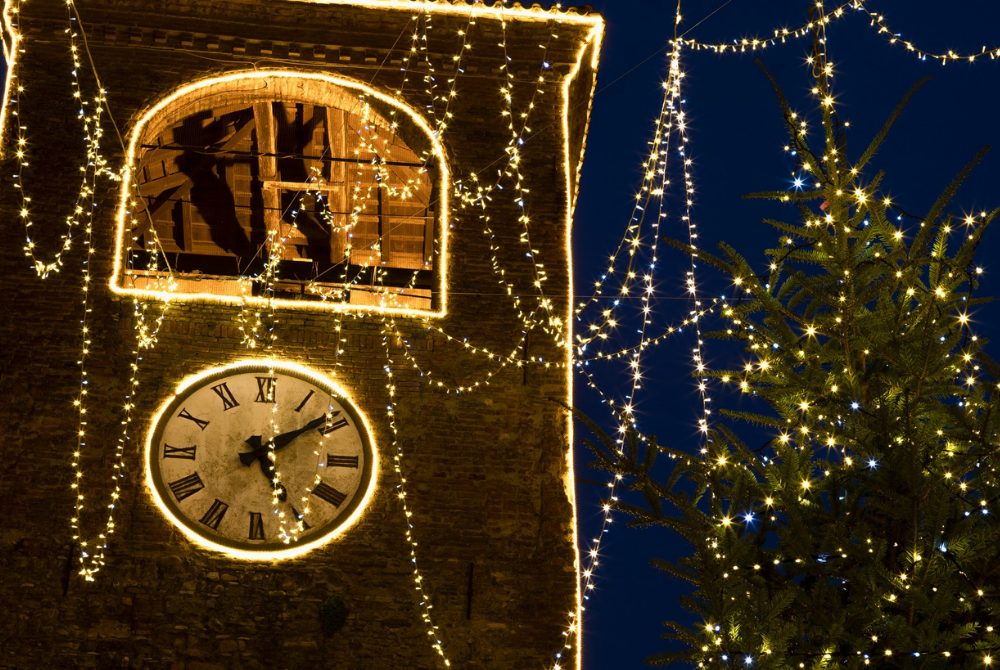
pixel 209 465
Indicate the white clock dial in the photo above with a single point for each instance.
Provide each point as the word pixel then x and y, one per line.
pixel 217 447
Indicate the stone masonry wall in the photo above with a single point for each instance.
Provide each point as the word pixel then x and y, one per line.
pixel 485 470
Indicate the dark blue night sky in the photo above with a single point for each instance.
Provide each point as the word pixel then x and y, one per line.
pixel 736 142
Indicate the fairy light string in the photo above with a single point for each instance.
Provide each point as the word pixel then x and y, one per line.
pixel 512 358
pixel 90 553
pixel 698 353
pixel 442 121
pixel 715 308
pixel 632 237
pixel 261 336
pixel 92 558
pixel 573 630
pixel 396 448
pixel 655 183
pixel 475 193
pixel 389 330
pixel 145 338
pixel 878 21
pixel 512 170
pixel 779 35
pixel 94 166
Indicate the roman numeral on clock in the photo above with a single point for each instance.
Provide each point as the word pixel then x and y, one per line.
pixel 187 415
pixel 179 452
pixel 300 518
pixel 331 427
pixel 185 487
pixel 341 461
pixel 213 517
pixel 329 494
pixel 265 389
pixel 228 399
pixel 256 526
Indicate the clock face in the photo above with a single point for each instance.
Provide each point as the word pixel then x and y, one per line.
pixel 216 448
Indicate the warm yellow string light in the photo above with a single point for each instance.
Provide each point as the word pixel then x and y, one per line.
pixel 94 166
pixel 474 194
pixel 91 554
pixel 879 21
pixel 779 36
pixel 655 183
pixel 397 461
pixel 649 192
pixel 92 559
pixel 510 359
pixel 441 122
pixel 260 334
pixel 480 350
pixel 653 341
pixel 698 361
pixel 512 170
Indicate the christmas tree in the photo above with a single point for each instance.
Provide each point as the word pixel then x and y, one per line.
pixel 864 530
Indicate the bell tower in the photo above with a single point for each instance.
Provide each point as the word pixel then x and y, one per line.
pixel 288 304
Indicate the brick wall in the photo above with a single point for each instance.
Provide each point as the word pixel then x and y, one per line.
pixel 485 470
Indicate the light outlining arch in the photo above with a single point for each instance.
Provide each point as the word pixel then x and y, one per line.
pixel 593 43
pixel 498 10
pixel 324 87
pixel 291 552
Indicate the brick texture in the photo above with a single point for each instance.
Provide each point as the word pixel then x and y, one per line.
pixel 486 470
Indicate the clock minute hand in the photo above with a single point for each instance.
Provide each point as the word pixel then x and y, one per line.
pixel 261 449
pixel 283 440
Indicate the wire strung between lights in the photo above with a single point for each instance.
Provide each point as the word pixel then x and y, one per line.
pixel 877 21
pixel 91 556
pixel 95 166
pixel 510 359
pixel 397 463
pixel 475 194
pixel 698 353
pixel 716 306
pixel 654 184
pixel 670 123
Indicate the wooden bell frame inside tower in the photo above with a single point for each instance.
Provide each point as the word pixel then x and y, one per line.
pixel 348 180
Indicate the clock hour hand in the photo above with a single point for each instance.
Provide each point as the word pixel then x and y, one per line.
pixel 261 449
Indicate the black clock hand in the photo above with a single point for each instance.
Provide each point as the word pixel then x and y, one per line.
pixel 261 449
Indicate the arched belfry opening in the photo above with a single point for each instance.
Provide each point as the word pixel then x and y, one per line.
pixel 341 184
